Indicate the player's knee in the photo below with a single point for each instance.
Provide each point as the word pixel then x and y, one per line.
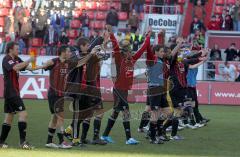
pixel 8 118
pixel 22 116
pixel 154 116
pixel 126 116
pixel 148 109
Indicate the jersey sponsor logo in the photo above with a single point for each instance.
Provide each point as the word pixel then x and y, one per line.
pixel 10 62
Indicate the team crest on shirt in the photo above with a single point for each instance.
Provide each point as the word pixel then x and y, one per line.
pixel 10 62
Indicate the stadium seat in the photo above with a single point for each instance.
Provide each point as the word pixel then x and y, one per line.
pixel 91 15
pixel 4 12
pixel 102 6
pixel 76 13
pixel 1 21
pixel 231 2
pixel 116 5
pixel 148 1
pixel 101 15
pixel 75 24
pixel 72 33
pixel 91 5
pixel 218 9
pixel 123 16
pixel 36 42
pixel 99 24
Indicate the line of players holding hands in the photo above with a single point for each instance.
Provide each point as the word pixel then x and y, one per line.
pixel 75 82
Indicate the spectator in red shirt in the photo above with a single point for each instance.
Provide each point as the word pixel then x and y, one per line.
pixel 199 11
pixel 213 24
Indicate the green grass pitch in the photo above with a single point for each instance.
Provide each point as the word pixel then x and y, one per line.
pixel 219 139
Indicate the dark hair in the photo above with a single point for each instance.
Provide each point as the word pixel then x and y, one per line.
pixel 62 49
pixel 233 44
pixel 10 45
pixel 82 41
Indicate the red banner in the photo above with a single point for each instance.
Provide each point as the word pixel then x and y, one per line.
pixel 222 93
pixel 225 93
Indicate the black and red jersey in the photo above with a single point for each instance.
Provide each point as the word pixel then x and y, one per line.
pixel 125 66
pixel 11 84
pixel 58 75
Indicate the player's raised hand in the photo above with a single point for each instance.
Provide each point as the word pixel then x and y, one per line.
pixel 109 28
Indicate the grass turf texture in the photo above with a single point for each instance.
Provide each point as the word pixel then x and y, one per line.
pixel 219 139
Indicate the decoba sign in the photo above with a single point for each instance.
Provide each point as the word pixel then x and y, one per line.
pixel 171 23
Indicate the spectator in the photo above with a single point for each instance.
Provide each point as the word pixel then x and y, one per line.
pixel 64 40
pixel 229 72
pixel 159 3
pixel 112 19
pixel 238 73
pixel 133 21
pixel 172 4
pixel 22 46
pixel 26 31
pixel 84 18
pixel 50 40
pixel 172 42
pixel 138 5
pixel 213 24
pixel 195 2
pixel 219 20
pixel 199 11
pixel 236 16
pixel 136 40
pixel 120 36
pixel 228 23
pixel 58 22
pixel 231 52
pixel 3 45
pixel 216 54
pixel 11 26
pixel 128 36
pixel 41 23
pixel 125 5
pixel 196 25
pixel 39 4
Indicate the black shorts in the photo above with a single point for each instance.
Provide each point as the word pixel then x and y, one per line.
pixel 56 104
pixel 192 93
pixel 157 98
pixel 13 105
pixel 178 96
pixel 120 99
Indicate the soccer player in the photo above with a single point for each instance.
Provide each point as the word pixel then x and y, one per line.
pixel 13 104
pixel 82 104
pixel 192 92
pixel 59 67
pixel 124 62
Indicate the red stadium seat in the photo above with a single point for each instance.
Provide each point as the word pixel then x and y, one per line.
pixel 123 16
pixel 36 42
pixel 149 1
pixel 181 1
pixel 116 5
pixel 91 5
pixel 4 12
pixel 231 2
pixel 72 33
pixel 91 14
pixel 91 25
pixel 76 13
pixel 218 9
pixel 75 24
pixel 220 2
pixel 103 6
pixel 1 21
pixel 101 15
pixel 99 24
